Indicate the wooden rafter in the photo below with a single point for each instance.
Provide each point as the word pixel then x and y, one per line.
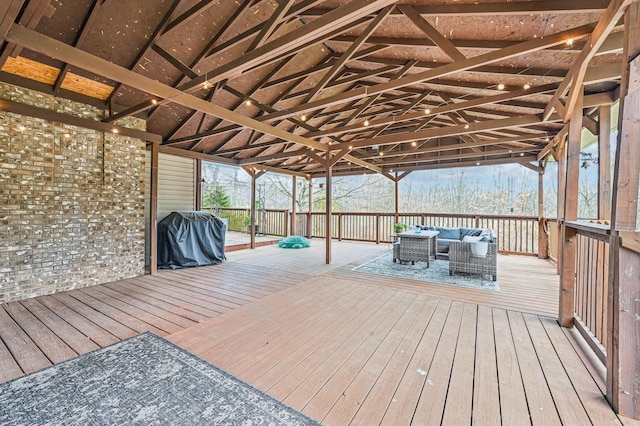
pixel 575 77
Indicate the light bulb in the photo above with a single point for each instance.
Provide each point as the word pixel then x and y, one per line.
pixel 366 122
pixel 466 126
pixel 304 117
pixel 501 86
pixel 526 86
pixel 427 111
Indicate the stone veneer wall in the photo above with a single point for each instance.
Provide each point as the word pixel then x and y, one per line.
pixel 72 211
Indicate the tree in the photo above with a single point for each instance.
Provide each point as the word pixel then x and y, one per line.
pixel 215 196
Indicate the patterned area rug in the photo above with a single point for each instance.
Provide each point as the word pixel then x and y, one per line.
pixel 438 272
pixel 144 380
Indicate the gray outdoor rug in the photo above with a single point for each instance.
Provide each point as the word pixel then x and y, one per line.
pixel 438 272
pixel 144 380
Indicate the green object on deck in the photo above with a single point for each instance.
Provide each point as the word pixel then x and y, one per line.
pixel 294 241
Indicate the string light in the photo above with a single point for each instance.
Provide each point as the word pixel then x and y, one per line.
pixel 350 147
pixel 501 86
pixel 570 42
pixel 248 102
pixel 526 86
pixel 154 101
pixel 304 117
pixel 427 111
pixel 115 130
pixel 414 143
pixel 466 126
pixel 206 84
pixel 478 163
pixel 366 122
pixel 381 153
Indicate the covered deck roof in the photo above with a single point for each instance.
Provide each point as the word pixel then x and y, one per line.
pixel 373 86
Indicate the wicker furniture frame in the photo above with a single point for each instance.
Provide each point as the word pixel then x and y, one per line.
pixel 417 247
pixel 462 260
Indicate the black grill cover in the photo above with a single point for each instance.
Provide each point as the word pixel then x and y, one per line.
pixel 188 239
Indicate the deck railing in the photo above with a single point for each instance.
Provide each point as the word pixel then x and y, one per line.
pixel 591 281
pixel 516 234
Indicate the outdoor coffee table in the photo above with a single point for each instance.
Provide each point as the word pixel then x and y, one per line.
pixel 417 246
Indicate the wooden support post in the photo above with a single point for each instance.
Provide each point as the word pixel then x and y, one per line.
pixel 252 224
pixel 562 176
pixel 255 174
pixel 309 215
pixel 543 238
pixel 604 162
pixel 294 198
pixel 568 256
pixel 329 206
pixel 396 182
pixel 153 211
pixel 198 179
pixel 567 276
pixel 623 326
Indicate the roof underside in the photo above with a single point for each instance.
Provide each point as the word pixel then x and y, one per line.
pixel 379 86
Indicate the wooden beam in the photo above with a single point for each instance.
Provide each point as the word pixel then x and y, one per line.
pixel 270 25
pixel 444 70
pixel 50 115
pixel 347 55
pixel 500 9
pixel 604 162
pixel 48 46
pixel 568 270
pixel 447 46
pixel 623 326
pixel 574 79
pixel 291 42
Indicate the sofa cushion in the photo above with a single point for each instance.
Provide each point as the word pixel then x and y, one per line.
pixel 448 233
pixel 472 232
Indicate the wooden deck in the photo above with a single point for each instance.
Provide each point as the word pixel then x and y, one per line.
pixel 344 347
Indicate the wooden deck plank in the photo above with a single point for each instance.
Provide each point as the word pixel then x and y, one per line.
pixel 234 344
pixel 90 329
pixel 118 329
pixel 513 400
pixel 137 325
pixel 431 404
pixel 298 331
pixel 133 314
pixel 9 368
pixel 565 398
pixel 541 406
pixel 79 342
pixel 51 345
pixel 401 408
pixel 196 289
pixel 339 399
pixel 156 299
pixel 459 403
pixel 591 397
pixel 268 371
pixel 167 316
pixel 486 398
pixel 343 346
pixel 25 352
pixel 373 407
pixel 169 294
pixel 362 344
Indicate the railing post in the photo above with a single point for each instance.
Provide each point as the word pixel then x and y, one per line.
pixel 566 307
pixel 543 239
pixel 377 228
pixel 286 223
pixel 339 226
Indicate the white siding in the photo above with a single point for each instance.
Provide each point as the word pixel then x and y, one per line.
pixel 176 187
